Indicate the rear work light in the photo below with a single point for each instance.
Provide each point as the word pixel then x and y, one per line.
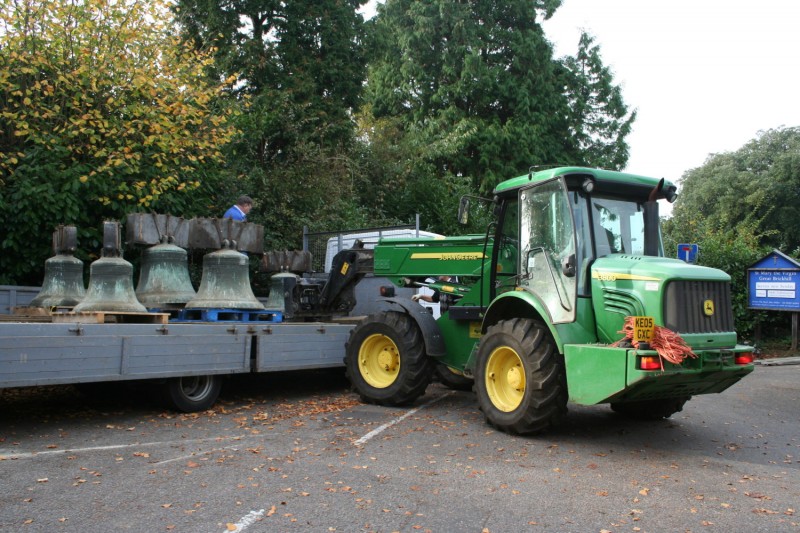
pixel 387 291
pixel 650 362
pixel 743 358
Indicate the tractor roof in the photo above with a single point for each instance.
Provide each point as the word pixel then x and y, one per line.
pixel 606 179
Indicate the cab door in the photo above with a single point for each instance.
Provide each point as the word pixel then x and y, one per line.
pixel 547 240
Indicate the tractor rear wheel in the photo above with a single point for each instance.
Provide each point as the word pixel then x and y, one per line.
pixel 520 377
pixel 650 409
pixel 386 361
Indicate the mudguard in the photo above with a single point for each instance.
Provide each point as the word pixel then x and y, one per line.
pixel 434 342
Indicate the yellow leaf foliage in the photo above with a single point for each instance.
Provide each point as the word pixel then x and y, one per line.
pixel 109 85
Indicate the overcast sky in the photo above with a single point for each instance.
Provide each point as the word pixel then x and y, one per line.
pixel 705 75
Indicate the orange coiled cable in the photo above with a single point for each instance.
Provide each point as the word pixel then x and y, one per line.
pixel 669 345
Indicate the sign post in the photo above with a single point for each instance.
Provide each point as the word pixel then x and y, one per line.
pixel 688 252
pixel 773 284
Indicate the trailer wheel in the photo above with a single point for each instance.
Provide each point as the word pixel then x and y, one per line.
pixel 452 379
pixel 192 393
pixel 520 379
pixel 650 409
pixel 386 361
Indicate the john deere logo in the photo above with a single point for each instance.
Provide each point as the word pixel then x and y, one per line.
pixel 708 308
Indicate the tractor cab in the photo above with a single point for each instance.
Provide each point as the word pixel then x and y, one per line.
pixel 557 224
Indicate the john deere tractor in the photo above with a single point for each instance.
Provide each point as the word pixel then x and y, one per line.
pixel 562 300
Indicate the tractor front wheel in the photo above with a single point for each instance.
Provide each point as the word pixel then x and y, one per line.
pixel 520 379
pixel 386 360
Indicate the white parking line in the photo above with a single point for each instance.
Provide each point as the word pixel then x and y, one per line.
pixel 8 454
pixel 363 440
pixel 247 520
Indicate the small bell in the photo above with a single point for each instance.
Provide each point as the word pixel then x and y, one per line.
pixel 63 273
pixel 111 279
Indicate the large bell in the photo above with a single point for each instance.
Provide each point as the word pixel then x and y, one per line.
pixel 164 277
pixel 63 273
pixel 111 279
pixel 225 283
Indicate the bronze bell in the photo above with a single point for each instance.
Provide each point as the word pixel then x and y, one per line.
pixel 226 281
pixel 63 273
pixel 282 287
pixel 164 277
pixel 111 279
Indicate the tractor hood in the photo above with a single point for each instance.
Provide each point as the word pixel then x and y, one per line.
pixel 691 300
pixel 661 269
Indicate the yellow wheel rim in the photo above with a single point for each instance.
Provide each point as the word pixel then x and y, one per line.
pixel 379 361
pixel 505 379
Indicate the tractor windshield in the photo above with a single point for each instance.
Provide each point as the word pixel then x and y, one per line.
pixel 620 226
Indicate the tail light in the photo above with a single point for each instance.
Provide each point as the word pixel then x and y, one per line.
pixel 650 362
pixel 744 358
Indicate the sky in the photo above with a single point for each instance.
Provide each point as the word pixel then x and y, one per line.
pixel 705 76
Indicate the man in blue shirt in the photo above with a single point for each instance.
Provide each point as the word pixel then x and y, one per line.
pixel 240 209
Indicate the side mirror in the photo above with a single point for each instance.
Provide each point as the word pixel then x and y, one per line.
pixel 463 211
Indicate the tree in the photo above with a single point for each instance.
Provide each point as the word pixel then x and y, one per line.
pixel 102 112
pixel 303 65
pixel 763 175
pixel 483 69
pixel 599 119
pixel 732 249
pixel 738 206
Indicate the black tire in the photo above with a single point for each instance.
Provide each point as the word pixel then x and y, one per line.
pixel 451 379
pixel 520 378
pixel 386 361
pixel 650 409
pixel 192 393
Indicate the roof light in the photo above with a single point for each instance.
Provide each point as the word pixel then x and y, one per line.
pixel 588 185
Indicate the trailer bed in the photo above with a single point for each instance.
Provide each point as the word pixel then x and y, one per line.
pixel 33 354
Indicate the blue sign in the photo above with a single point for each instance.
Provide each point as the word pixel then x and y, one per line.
pixel 688 252
pixel 773 283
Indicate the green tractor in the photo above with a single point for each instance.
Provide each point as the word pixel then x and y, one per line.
pixel 533 312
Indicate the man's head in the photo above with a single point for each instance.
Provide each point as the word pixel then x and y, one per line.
pixel 245 203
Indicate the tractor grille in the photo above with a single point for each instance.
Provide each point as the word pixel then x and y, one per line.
pixel 686 307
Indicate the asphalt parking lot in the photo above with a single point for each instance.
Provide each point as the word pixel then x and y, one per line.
pixel 299 452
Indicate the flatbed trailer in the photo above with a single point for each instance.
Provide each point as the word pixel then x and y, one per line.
pixel 188 359
pixel 185 351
